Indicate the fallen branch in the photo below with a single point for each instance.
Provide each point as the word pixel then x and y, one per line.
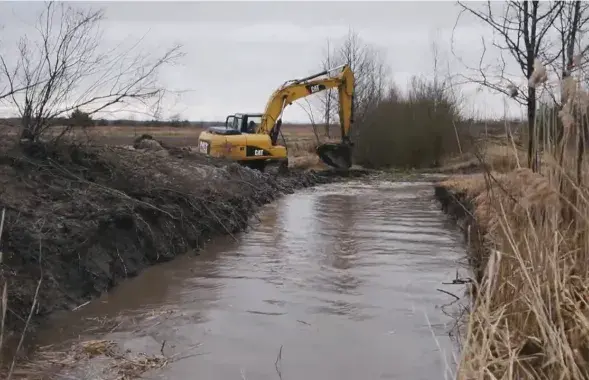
pixel 448 293
pixel 278 363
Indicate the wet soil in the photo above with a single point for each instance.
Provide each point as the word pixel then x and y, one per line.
pixel 460 208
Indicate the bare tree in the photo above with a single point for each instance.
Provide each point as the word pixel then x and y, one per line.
pixel 571 29
pixel 8 90
pixel 521 31
pixel 568 25
pixel 327 97
pixel 370 71
pixel 65 67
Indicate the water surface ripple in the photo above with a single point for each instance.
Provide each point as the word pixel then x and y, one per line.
pixel 343 277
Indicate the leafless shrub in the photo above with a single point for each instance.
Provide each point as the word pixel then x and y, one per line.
pixel 64 67
pixel 391 128
pixel 412 131
pixel 371 78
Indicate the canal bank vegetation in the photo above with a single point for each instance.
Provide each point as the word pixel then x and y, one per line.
pixel 528 237
pixel 527 218
pixel 415 128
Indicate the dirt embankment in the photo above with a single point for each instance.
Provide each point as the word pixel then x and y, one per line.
pixel 83 219
pixel 490 207
pixel 460 207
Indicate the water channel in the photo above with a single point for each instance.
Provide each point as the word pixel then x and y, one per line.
pixel 336 282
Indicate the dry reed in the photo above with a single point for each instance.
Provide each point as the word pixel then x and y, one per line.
pixel 530 316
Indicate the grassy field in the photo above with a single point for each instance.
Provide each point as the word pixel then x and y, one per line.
pixel 174 136
pixel 300 139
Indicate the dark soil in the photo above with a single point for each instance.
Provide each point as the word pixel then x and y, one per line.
pixel 83 219
pixel 461 209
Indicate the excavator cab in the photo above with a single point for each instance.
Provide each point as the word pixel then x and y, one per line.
pixel 243 122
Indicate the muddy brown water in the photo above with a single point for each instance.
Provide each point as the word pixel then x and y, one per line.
pixel 336 282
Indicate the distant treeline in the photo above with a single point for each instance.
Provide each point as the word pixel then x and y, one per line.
pixel 80 119
pixel 60 121
pixel 16 122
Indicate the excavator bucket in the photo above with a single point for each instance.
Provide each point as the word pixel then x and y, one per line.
pixel 336 155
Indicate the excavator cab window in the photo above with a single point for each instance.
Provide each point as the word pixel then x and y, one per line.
pixel 237 123
pixel 251 127
pixel 231 122
pixel 251 123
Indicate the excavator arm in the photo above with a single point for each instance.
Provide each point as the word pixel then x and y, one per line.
pixel 337 155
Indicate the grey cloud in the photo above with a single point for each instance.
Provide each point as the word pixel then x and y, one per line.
pixel 237 53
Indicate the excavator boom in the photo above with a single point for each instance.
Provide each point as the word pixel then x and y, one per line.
pixel 334 154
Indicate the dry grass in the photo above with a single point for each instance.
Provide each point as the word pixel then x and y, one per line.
pixel 186 135
pixel 530 316
pixel 301 152
pixel 301 139
pixel 163 131
pixel 496 153
pixel 119 365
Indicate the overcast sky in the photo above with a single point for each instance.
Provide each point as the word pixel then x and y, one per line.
pixel 237 53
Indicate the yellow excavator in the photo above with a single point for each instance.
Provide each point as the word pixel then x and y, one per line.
pixel 252 139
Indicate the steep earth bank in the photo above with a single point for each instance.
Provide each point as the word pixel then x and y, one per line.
pixel 460 207
pixel 484 205
pixel 79 219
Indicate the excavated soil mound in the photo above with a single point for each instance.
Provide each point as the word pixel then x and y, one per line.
pixel 82 219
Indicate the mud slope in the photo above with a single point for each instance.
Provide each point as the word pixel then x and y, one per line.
pixel 459 206
pixel 95 216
